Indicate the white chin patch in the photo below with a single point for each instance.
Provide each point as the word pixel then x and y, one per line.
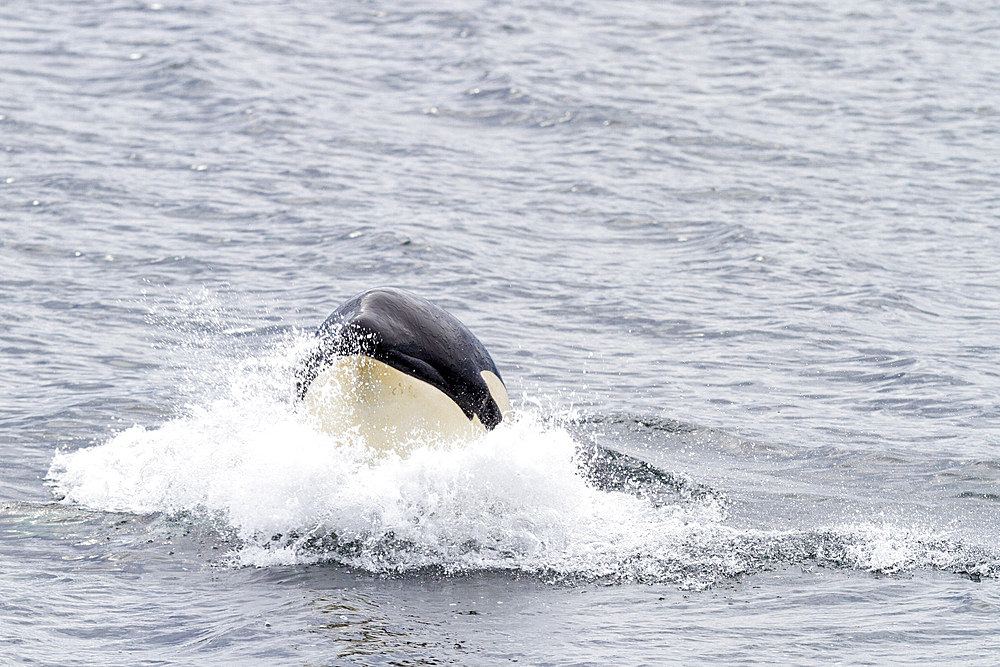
pixel 390 411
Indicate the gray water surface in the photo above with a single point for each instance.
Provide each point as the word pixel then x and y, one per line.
pixel 751 246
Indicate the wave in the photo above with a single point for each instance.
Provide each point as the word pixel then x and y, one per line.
pixel 530 497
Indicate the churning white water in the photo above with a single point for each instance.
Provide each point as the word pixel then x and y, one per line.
pixel 248 463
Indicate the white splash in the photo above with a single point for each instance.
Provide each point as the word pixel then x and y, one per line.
pixel 512 499
pixel 515 499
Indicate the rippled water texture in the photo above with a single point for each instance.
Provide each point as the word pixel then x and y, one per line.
pixel 736 261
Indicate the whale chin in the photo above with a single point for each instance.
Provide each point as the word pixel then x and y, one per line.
pixel 388 409
pixel 396 371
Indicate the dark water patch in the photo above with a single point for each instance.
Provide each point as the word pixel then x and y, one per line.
pixel 994 497
pixel 609 470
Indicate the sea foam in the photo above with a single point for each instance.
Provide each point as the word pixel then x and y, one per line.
pixel 245 460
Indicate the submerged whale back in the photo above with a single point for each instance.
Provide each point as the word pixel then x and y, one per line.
pixel 413 343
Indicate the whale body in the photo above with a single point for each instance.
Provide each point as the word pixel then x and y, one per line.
pixel 394 368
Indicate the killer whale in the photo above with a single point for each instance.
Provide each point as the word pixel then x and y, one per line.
pixel 393 367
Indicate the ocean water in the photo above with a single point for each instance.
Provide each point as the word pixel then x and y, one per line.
pixel 737 263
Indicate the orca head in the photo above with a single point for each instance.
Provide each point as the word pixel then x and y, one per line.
pixel 421 341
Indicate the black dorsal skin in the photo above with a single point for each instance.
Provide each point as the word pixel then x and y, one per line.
pixel 412 335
